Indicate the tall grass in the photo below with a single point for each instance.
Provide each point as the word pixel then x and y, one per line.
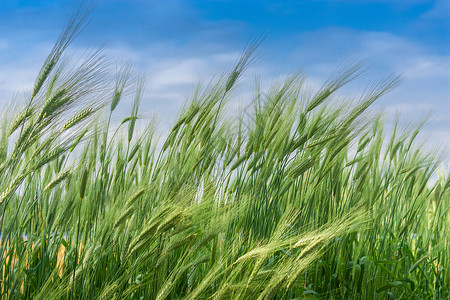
pixel 301 197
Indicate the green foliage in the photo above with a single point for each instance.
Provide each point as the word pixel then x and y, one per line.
pixel 302 198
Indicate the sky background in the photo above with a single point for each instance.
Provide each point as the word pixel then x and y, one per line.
pixel 177 43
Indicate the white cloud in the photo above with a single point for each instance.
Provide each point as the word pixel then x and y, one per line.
pixel 172 72
pixel 426 87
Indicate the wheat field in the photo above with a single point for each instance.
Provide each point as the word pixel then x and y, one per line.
pixel 302 196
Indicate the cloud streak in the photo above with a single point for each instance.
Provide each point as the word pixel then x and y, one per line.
pixel 179 44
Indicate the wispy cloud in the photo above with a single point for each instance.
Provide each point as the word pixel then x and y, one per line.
pixel 440 10
pixel 177 43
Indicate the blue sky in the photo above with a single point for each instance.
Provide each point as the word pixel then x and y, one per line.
pixel 176 43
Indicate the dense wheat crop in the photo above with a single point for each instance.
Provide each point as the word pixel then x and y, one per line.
pixel 303 196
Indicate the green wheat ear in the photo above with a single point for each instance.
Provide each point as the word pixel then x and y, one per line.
pixel 12 187
pixel 122 78
pixel 43 77
pixel 115 100
pixel 83 182
pixel 134 112
pixel 83 114
pixel 58 179
pixel 19 120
